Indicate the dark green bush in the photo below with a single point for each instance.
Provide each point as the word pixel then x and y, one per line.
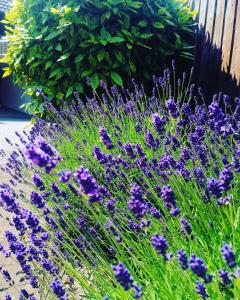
pixel 55 44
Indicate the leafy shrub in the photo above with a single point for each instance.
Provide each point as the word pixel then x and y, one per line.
pixel 140 197
pixel 56 44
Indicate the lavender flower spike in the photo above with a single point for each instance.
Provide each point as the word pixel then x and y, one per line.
pixel 87 184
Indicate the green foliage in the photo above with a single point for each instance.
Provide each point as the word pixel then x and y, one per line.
pixel 55 44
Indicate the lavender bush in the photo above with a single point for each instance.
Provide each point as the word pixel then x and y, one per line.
pixel 129 196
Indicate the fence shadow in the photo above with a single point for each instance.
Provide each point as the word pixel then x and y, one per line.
pixel 217 52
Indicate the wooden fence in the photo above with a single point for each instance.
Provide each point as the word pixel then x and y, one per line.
pixel 218 45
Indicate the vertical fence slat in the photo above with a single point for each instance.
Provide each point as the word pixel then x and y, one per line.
pixel 210 20
pixel 194 4
pixel 227 38
pixel 218 45
pixel 202 14
pixel 235 64
pixel 218 33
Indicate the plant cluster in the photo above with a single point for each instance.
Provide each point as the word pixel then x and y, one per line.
pixel 133 197
pixel 55 44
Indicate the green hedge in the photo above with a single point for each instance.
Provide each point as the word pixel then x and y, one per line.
pixel 56 44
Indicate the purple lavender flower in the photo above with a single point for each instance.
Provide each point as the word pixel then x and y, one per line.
pixel 155 212
pixel 123 276
pixel 224 200
pixel 37 199
pixel 137 204
pixel 217 117
pixel 225 178
pixel 172 107
pixel 201 290
pixel 43 155
pixel 228 255
pixel 125 279
pixel 151 141
pixel 65 176
pixel 36 156
pixel 159 243
pixel 158 123
pixel 99 155
pixel 197 266
pixel 110 205
pixel 223 274
pixel 168 197
pixel 139 150
pixel 87 184
pixel 182 259
pixel 129 149
pixel 186 228
pixel 37 181
pixel 199 176
pixel 58 289
pixel 105 138
pixel 44 146
pixel 214 187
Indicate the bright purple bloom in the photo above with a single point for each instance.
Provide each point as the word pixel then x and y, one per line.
pixel 123 276
pixel 129 149
pixel 87 184
pixel 168 197
pixel 105 138
pixel 44 146
pixel 37 181
pixel 185 227
pixel 125 279
pixel 225 178
pixel 65 176
pixel 151 141
pixel 224 200
pixel 182 259
pixel 37 199
pixel 159 243
pixel 137 204
pixel 201 290
pixel 214 187
pixel 139 150
pixel 58 289
pixel 99 155
pixel 172 107
pixel 228 255
pixel 223 274
pixel 197 266
pixel 158 123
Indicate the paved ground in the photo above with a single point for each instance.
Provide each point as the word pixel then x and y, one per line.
pixel 10 121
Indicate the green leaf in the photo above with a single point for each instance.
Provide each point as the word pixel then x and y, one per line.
pixel 58 47
pixel 146 35
pixel 64 56
pixel 158 25
pixel 117 78
pixel 55 73
pixel 59 95
pixel 86 73
pixel 51 36
pixel 69 91
pixel 143 23
pixel 95 81
pixel 116 39
pixel 101 55
pixel 79 87
pixel 119 56
pixel 79 58
pixel 48 64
